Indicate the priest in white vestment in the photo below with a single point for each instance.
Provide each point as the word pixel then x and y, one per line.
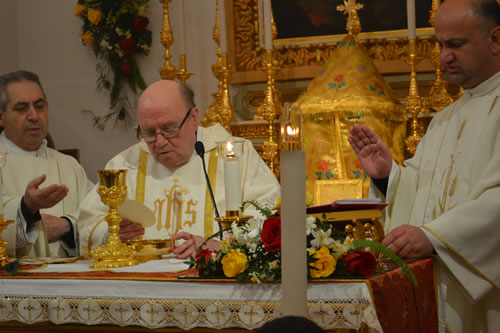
pixel 42 188
pixel 445 201
pixel 166 175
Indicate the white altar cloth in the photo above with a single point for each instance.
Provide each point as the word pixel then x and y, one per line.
pixel 183 304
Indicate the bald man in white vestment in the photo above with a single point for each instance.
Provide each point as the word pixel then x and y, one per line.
pixel 42 188
pixel 445 201
pixel 166 174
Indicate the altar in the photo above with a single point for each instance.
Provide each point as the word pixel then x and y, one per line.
pixel 152 297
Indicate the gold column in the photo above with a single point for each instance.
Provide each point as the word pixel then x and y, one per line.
pixel 414 101
pixel 220 111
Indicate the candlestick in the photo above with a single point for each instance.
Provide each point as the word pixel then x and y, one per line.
pixel 223 34
pixel 182 39
pixel 268 25
pixel 410 12
pixel 291 127
pixel 231 151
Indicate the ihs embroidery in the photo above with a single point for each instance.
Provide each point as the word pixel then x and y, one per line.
pixel 174 205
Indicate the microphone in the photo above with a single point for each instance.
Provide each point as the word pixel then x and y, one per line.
pixel 200 150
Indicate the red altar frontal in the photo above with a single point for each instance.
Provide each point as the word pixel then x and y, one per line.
pixel 69 297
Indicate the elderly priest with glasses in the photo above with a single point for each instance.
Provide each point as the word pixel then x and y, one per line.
pixel 166 174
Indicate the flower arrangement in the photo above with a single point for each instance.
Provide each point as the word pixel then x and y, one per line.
pixel 116 32
pixel 253 252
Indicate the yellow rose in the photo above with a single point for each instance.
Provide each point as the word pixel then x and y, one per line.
pixel 80 9
pixel 88 38
pixel 234 263
pixel 94 15
pixel 324 265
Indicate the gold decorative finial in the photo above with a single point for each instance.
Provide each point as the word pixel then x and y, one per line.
pixel 221 110
pixel 438 97
pixel 350 8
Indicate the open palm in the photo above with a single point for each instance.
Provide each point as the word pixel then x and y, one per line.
pixel 373 154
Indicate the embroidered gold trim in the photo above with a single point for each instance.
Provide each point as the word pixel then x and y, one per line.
pixel 141 176
pixel 467 263
pixel 209 209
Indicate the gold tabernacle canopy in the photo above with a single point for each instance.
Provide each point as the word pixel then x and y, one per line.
pixel 348 90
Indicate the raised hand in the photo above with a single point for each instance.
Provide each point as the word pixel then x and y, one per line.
pixel 373 154
pixel 130 230
pixel 37 198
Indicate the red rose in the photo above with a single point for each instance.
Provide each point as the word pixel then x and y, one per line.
pixel 338 78
pixel 360 263
pixel 140 23
pixel 127 46
pixel 126 68
pixel 205 253
pixel 271 234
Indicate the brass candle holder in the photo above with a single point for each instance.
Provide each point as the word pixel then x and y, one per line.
pixel 4 258
pixel 414 101
pixel 113 192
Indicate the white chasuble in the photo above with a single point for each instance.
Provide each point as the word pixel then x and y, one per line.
pixel 59 169
pixel 451 189
pixel 179 198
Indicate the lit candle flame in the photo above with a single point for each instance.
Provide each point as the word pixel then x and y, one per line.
pixel 292 132
pixel 229 148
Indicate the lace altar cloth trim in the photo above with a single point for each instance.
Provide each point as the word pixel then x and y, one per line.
pixel 185 314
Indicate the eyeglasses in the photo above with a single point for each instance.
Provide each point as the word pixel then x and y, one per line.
pixel 149 136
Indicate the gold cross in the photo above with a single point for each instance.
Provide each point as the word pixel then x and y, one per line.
pixel 350 8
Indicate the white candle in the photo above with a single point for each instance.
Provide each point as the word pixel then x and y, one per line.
pixel 232 185
pixel 293 234
pixel 410 13
pixel 268 25
pixel 222 26
pixel 182 30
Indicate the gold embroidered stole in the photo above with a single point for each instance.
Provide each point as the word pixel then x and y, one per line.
pixel 212 174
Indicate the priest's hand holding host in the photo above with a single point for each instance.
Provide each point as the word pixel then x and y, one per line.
pixel 444 200
pixel 42 187
pixel 166 174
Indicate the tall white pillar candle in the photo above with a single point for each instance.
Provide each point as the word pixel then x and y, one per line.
pixel 268 25
pixel 222 26
pixel 182 31
pixel 232 185
pixel 410 13
pixel 293 234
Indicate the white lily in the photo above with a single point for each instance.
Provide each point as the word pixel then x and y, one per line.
pixel 321 238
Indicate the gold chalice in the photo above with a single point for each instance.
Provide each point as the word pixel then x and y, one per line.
pixel 113 192
pixel 4 258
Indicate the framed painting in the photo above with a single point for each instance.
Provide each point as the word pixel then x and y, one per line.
pixel 308 31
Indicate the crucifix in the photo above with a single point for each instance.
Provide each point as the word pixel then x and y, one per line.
pixel 350 8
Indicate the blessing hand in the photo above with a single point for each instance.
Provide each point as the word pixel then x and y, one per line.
pixel 373 154
pixel 191 245
pixel 408 241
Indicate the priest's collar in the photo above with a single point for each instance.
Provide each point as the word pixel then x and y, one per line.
pixel 13 149
pixel 484 87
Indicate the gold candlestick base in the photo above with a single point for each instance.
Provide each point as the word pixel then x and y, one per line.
pixel 4 258
pixel 113 192
pixel 232 216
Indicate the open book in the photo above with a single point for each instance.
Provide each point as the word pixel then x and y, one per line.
pixel 348 204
